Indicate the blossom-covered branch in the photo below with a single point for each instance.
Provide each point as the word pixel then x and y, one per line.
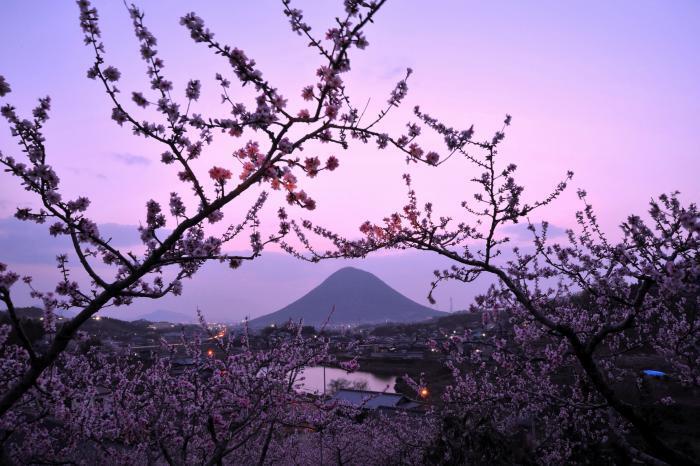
pixel 573 310
pixel 118 276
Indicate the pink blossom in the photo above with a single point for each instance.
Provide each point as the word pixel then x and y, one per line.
pixel 220 175
pixel 332 163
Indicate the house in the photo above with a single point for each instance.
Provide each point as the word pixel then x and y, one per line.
pixel 368 399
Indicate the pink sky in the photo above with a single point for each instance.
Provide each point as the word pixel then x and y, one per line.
pixel 608 90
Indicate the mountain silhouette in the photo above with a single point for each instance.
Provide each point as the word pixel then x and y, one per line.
pixel 359 297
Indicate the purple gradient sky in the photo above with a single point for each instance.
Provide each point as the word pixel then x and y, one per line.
pixel 608 90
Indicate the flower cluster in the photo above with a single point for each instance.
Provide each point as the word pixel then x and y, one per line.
pixel 400 91
pixel 220 175
pixel 4 87
pixel 7 278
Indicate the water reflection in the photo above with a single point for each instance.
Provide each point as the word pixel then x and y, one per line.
pixel 314 379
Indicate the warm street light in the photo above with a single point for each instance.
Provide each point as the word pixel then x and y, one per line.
pixel 424 392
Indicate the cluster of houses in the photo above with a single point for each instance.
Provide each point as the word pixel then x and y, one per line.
pixel 409 344
pixel 401 343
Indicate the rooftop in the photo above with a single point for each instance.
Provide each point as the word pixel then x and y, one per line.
pixel 375 400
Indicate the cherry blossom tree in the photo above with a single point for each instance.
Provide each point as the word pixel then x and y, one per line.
pixel 558 384
pixel 58 404
pixel 241 405
pixel 556 387
pixel 185 136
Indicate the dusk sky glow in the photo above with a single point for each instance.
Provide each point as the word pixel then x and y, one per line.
pixel 608 90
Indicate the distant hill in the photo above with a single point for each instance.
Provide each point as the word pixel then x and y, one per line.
pixel 155 316
pixel 27 312
pixel 162 315
pixel 35 312
pixel 359 297
pixel 104 326
pixel 458 320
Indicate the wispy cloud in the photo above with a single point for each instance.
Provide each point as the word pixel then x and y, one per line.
pixel 29 243
pixel 395 72
pixel 84 172
pixel 520 232
pixel 130 159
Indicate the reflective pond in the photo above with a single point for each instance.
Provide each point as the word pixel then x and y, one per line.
pixel 366 380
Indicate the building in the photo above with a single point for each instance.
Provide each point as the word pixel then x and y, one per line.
pixel 368 399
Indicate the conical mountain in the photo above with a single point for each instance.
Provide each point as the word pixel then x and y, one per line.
pixel 359 297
